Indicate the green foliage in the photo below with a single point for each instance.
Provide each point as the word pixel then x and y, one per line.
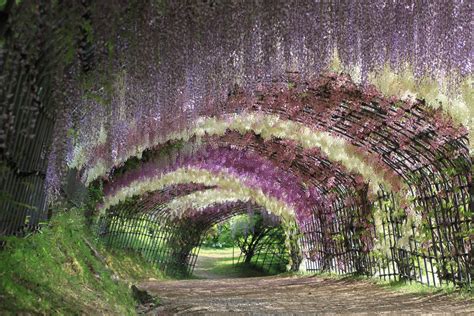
pixel 130 268
pixel 56 272
pixel 249 231
pixel 3 4
pixel 292 242
pixel 228 233
pixel 72 134
pixel 219 236
pixel 87 27
pixel 96 192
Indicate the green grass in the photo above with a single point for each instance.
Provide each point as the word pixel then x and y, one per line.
pixel 224 252
pixel 219 262
pixel 257 264
pixel 263 264
pixel 56 272
pixel 417 288
pixel 130 268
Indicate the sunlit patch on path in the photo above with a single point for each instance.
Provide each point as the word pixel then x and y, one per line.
pixel 307 294
pixel 222 264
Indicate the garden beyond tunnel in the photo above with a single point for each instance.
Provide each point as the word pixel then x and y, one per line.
pixel 344 128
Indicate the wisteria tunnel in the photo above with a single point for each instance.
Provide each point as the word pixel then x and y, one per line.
pixel 347 123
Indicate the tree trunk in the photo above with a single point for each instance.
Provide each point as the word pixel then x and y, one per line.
pixel 248 256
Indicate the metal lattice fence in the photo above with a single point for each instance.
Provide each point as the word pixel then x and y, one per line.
pixel 395 251
pixel 27 114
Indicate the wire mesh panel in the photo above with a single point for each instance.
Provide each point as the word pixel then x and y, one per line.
pixel 26 116
pixel 399 248
pixel 154 240
pixel 35 42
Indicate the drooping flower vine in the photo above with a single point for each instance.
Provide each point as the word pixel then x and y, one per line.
pixel 267 126
pixel 225 210
pixel 196 73
pixel 364 154
pixel 200 200
pixel 222 179
pixel 255 170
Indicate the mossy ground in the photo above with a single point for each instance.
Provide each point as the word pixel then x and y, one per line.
pixel 55 272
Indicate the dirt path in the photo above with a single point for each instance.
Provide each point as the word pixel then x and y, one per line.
pixel 303 294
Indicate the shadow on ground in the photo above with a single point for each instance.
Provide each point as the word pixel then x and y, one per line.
pixel 245 291
pixel 300 294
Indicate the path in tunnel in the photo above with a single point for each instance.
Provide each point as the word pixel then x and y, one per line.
pixel 219 264
pixel 309 294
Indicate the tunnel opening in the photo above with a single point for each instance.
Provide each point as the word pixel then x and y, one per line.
pixel 255 241
pixel 174 244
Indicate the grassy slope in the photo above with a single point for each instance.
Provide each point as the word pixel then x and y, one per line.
pixel 55 271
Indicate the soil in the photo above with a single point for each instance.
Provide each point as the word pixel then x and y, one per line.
pixel 221 289
pixel 296 294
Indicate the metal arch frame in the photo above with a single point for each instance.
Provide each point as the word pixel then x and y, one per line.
pixel 406 158
pixel 235 140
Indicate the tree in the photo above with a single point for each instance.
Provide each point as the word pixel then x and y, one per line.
pixel 249 231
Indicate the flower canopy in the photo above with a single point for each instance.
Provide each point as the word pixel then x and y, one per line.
pixel 355 118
